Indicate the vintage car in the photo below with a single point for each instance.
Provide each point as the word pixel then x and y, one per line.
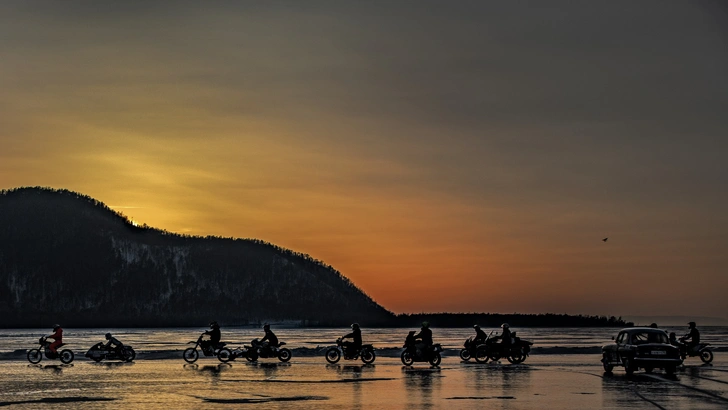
pixel 641 348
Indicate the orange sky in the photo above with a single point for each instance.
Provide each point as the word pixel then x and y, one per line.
pixel 445 157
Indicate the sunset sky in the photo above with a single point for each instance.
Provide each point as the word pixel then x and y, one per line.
pixel 444 155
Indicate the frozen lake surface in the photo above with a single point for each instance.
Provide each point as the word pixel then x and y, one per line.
pixel 159 379
pixel 546 381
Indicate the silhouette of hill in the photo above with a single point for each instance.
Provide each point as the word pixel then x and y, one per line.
pixel 68 258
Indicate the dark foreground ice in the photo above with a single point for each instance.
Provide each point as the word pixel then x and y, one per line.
pixel 542 382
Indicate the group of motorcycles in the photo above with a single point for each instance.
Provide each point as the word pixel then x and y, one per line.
pixel 489 349
pixel 493 349
pixel 224 354
pixel 97 353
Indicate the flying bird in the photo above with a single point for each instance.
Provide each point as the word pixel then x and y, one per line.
pixel 605 239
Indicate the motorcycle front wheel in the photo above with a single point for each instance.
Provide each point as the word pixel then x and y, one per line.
pixel 35 356
pixel 368 356
pixel 608 367
pixel 284 355
pixel 333 356
pixel 224 355
pixel 465 355
pixel 66 356
pixel 436 359
pixel 706 356
pixel 190 355
pixel 407 358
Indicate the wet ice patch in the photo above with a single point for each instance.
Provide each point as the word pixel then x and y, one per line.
pixel 256 400
pixel 58 400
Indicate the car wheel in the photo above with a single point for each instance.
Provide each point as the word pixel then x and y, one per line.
pixel 608 367
pixel 629 366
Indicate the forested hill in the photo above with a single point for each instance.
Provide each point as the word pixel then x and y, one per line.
pixel 68 258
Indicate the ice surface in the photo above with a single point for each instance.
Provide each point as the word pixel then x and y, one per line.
pixel 546 381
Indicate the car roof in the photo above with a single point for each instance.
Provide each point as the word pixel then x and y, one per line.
pixel 642 329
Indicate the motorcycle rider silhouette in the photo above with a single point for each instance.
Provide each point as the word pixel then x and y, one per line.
pixel 214 334
pixel 57 337
pixel 693 335
pixel 480 335
pixel 114 343
pixel 424 337
pixel 270 338
pixel 355 345
pixel 505 335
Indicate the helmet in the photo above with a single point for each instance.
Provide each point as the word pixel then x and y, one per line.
pixel 214 325
pixel 355 326
pixel 691 324
pixel 266 327
pixel 476 327
pixel 505 326
pixel 425 324
pixel 108 336
pixel 653 325
pixel 56 326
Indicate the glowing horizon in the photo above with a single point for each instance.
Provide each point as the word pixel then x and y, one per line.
pixel 448 157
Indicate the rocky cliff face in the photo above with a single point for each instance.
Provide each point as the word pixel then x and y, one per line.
pixel 68 258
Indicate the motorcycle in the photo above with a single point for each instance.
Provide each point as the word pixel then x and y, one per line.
pixel 515 352
pixel 261 350
pixel 701 349
pixel 470 348
pixel 413 354
pixel 219 350
pixel 35 355
pixel 334 353
pixel 99 352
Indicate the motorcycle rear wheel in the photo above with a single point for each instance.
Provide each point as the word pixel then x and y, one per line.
pixel 516 357
pixel 706 356
pixel 465 355
pixel 481 355
pixel 35 356
pixel 284 355
pixel 368 356
pixel 190 355
pixel 66 356
pixel 333 356
pixel 129 355
pixel 435 359
pixel 407 358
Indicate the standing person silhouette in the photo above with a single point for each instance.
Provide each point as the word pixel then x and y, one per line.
pixel 57 337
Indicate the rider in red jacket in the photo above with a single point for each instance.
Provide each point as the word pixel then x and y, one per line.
pixel 57 337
